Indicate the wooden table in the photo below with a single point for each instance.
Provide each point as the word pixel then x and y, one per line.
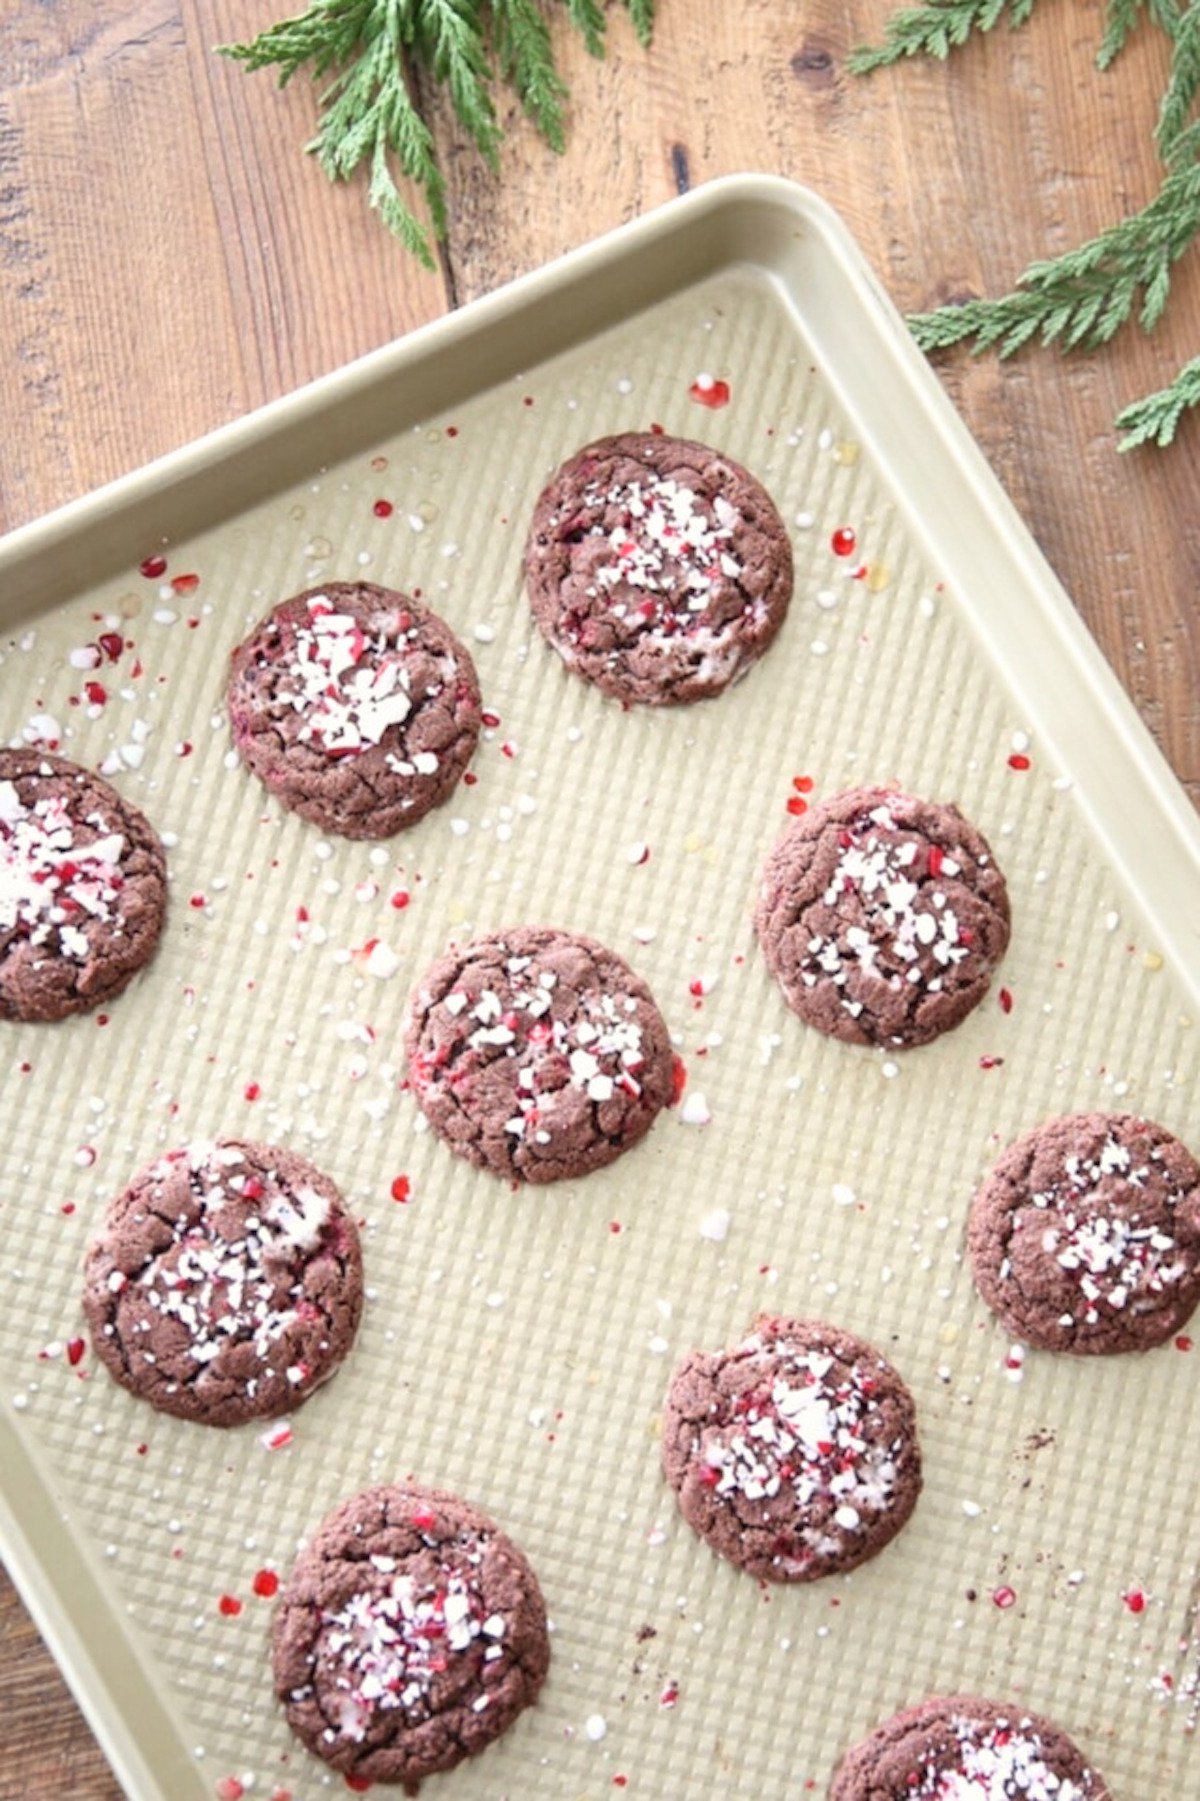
pixel 168 260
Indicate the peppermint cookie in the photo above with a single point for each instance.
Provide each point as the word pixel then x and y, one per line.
pixel 795 1453
pixel 959 1746
pixel 882 917
pixel 83 888
pixel 411 1633
pixel 226 1283
pixel 1085 1237
pixel 657 568
pixel 357 707
pixel 537 1054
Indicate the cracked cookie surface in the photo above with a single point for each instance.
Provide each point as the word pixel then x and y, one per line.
pixel 356 706
pixel 83 888
pixel 410 1634
pixel 962 1746
pixel 226 1282
pixel 794 1454
pixel 1085 1236
pixel 658 568
pixel 537 1054
pixel 882 917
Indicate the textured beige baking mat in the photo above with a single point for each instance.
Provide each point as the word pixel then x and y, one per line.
pixel 516 1346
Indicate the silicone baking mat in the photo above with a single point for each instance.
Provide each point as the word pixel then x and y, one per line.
pixel 516 1345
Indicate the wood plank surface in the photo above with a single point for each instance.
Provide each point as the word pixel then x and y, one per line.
pixel 168 260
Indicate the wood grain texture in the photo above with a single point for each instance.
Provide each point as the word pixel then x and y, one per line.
pixel 169 260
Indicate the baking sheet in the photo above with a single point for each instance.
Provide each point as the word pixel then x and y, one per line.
pixel 516 1347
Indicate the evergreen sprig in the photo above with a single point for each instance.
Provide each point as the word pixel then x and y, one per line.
pixel 1155 419
pixel 1082 298
pixel 934 30
pixel 368 114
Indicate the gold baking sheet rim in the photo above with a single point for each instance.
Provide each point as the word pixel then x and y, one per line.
pixel 517 1346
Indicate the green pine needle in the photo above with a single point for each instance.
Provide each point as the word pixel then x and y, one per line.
pixel 934 30
pixel 1085 296
pixel 367 114
pixel 1183 84
pixel 588 16
pixel 522 40
pixel 1155 419
pixel 1122 16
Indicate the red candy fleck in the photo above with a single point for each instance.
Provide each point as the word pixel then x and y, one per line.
pixel 491 719
pixel 937 857
pixel 183 748
pixel 252 1091
pixel 400 899
pixel 843 541
pixel 198 901
pixel 1006 1001
pixel 383 509
pixel 1135 1600
pixel 266 1584
pixel 990 1062
pixel 708 1475
pixel 452 431
pixel 185 584
pixel 96 693
pixel 614 1225
pixel 112 644
pixel 75 1350
pixel 1018 760
pixel 401 1188
pixel 797 805
pixel 708 391
pixel 230 1606
pixel 1183 1342
pixel 424 1520
pixel 229 1789
pixel 803 784
pixel 670 1695
pixel 1004 1597
pixel 678 1080
pixel 152 568
pixel 620 1781
pixel 359 1784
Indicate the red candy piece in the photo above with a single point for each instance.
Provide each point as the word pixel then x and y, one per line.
pixel 843 541
pixel 230 1606
pixel 708 391
pixel 266 1584
pixel 400 1188
pixel 152 568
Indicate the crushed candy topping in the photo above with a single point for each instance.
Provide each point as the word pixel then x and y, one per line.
pixel 51 885
pixel 884 869
pixel 598 1051
pixel 388 1648
pixel 662 563
pixel 1117 1262
pixel 802 1424
pixel 1000 1762
pixel 222 1288
pixel 353 686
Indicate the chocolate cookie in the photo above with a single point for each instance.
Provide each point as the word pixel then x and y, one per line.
pixel 960 1746
pixel 1085 1237
pixel 882 917
pixel 411 1633
pixel 537 1054
pixel 357 707
pixel 226 1283
pixel 83 888
pixel 657 568
pixel 795 1453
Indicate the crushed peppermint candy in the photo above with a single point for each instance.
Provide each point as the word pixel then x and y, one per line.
pixel 802 1421
pixel 663 553
pixel 386 1648
pixel 999 1761
pixel 52 884
pixel 353 685
pixel 909 931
